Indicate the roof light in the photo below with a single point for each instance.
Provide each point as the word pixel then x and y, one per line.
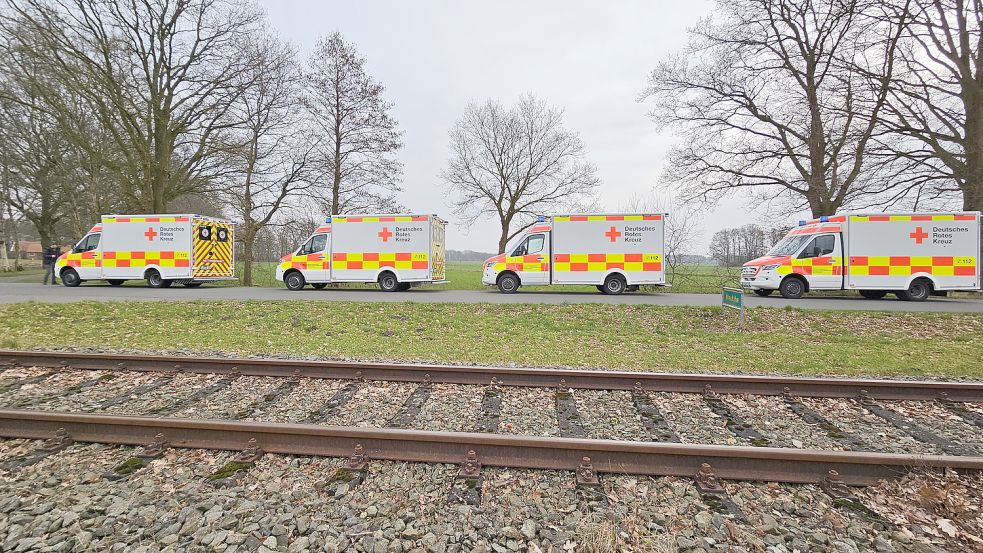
pixel 541 219
pixel 328 220
pixel 824 219
pixel 802 223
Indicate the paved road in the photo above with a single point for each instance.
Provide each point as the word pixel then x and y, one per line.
pixel 20 292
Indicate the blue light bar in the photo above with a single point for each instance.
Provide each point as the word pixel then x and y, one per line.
pixel 541 218
pixel 802 223
pixel 824 219
pixel 328 220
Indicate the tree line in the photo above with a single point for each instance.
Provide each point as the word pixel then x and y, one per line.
pixel 195 105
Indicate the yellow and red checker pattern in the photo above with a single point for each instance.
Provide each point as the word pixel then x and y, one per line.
pixel 84 259
pixel 909 265
pixel 531 263
pixel 377 260
pixel 314 261
pixel 823 265
pixel 380 219
pixel 581 218
pixel 887 218
pixel 599 262
pixel 143 259
pixel 144 219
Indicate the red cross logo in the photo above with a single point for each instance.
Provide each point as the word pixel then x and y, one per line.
pixel 385 234
pixel 613 234
pixel 918 235
pixel 150 234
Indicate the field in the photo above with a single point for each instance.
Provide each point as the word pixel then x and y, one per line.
pixel 604 336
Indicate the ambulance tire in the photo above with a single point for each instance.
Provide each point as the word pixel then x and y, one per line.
pixel 70 278
pixel 919 290
pixel 154 280
pixel 388 282
pixel 115 282
pixel 294 281
pixel 763 292
pixel 792 288
pixel 873 294
pixel 508 283
pixel 319 285
pixel 615 285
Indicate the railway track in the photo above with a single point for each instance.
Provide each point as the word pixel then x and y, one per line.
pixel 593 426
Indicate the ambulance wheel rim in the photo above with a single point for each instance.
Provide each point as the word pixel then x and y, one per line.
pixel 919 290
pixel 294 281
pixel 388 282
pixel 614 285
pixel 508 284
pixel 70 278
pixel 792 288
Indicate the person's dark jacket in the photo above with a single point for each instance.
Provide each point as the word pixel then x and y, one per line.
pixel 51 255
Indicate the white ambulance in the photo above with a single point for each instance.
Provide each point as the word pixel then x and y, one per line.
pixel 910 254
pixel 615 253
pixel 395 251
pixel 161 249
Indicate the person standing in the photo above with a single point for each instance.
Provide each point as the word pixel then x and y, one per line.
pixel 51 255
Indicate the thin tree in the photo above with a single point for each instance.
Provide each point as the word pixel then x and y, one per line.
pixel 515 163
pixel 782 98
pixel 269 159
pixel 358 139
pixel 937 96
pixel 160 75
pixel 682 225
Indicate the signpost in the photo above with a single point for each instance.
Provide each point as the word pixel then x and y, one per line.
pixel 734 298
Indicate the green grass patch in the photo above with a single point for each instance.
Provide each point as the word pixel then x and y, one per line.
pixel 693 339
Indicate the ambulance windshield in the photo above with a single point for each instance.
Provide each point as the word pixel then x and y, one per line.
pixel 788 245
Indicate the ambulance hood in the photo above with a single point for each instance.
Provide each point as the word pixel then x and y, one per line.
pixel 500 258
pixel 768 260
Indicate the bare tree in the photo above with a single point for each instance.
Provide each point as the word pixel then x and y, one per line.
pixel 781 97
pixel 516 162
pixel 937 95
pixel 159 75
pixel 358 138
pixel 269 156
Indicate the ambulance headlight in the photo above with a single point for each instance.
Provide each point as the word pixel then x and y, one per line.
pixel 771 267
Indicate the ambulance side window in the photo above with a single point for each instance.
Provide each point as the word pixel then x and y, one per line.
pixel 88 244
pixel 819 246
pixel 535 243
pixel 314 245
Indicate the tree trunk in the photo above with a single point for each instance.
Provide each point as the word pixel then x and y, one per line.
pixel 248 240
pixel 504 238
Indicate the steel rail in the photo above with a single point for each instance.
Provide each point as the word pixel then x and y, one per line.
pixel 607 456
pixel 451 374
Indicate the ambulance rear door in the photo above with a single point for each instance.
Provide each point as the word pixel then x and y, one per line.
pixel 213 254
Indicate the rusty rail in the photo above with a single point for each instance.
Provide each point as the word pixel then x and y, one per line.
pixel 607 456
pixel 451 374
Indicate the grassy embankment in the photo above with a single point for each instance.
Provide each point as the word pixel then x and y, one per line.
pixel 604 336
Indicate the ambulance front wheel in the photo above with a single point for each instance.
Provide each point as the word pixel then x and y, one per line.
pixel 792 288
pixel 294 281
pixel 508 283
pixel 70 278
pixel 614 285
pixel 388 282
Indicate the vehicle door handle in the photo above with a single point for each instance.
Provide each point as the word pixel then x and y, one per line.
pixel 540 258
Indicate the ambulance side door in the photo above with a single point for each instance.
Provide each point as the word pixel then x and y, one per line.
pixel 825 251
pixel 317 259
pixel 90 264
pixel 530 260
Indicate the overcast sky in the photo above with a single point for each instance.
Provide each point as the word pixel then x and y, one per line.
pixel 590 58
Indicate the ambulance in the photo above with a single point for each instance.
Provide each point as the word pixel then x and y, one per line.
pixel 615 253
pixel 912 255
pixel 161 249
pixel 395 251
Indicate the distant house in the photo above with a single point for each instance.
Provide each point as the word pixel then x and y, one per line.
pixel 30 250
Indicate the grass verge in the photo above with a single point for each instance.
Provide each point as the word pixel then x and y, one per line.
pixel 784 341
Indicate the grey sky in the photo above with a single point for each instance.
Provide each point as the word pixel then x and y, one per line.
pixel 589 57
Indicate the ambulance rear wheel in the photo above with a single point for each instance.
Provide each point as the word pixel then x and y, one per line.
pixel 873 294
pixel 792 288
pixel 319 285
pixel 508 283
pixel 70 278
pixel 294 281
pixel 388 282
pixel 762 292
pixel 614 285
pixel 154 280
pixel 115 282
pixel 919 290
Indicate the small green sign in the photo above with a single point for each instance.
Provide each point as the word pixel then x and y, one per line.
pixel 733 297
